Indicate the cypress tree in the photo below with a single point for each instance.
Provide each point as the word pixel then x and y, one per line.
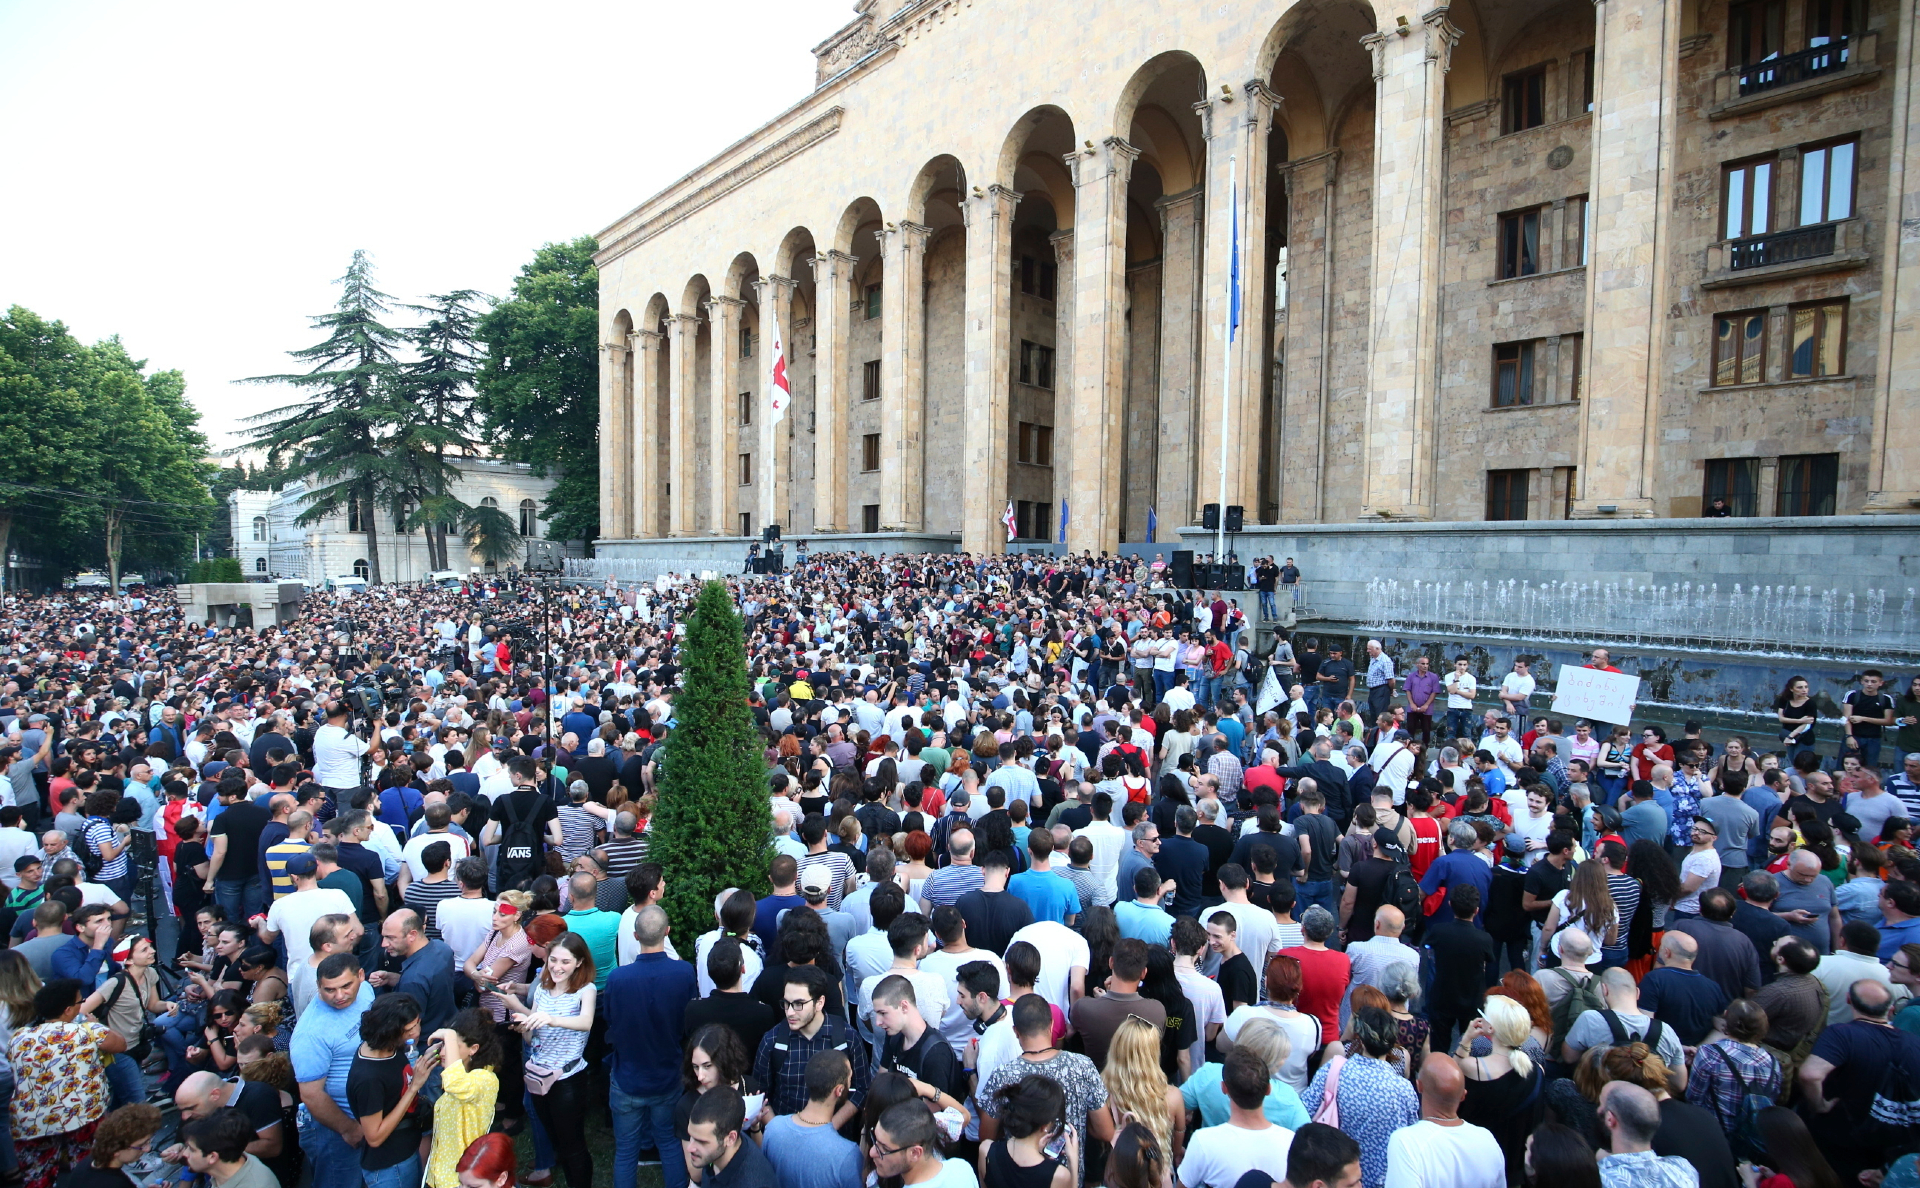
pixel 713 826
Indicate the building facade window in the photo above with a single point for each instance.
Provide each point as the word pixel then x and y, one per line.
pixel 869 517
pixel 870 452
pixel 1519 243
pixel 1513 373
pixel 1828 21
pixel 1037 278
pixel 1746 198
pixel 1737 481
pixel 529 518
pixel 1507 494
pixel 746 470
pixel 1739 347
pixel 1579 218
pixel 1036 364
pixel 1523 100
pixel 746 342
pixel 259 565
pixel 746 523
pixel 1756 31
pixel 1036 444
pixel 746 408
pixel 1818 346
pixel 1586 80
pixel 354 521
pixel 1032 519
pixel 1826 182
pixel 1809 484
pixel 259 528
pixel 873 302
pixel 360 569
pixel 870 380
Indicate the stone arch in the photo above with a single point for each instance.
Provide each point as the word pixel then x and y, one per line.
pixel 694 296
pixel 796 440
pixel 941 182
pixel 1149 84
pixel 859 409
pixel 1031 162
pixel 1518 38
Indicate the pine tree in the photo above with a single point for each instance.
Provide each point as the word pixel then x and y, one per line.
pixel 438 387
pixel 713 827
pixel 339 439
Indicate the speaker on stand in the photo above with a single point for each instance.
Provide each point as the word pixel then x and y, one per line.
pixel 1183 569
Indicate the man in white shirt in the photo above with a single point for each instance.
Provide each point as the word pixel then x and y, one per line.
pixel 1440 1150
pixel 466 920
pixel 1516 689
pixel 1217 1156
pixel 337 752
pixel 1461 688
pixel 14 842
pixel 979 988
pixel 1108 840
pixel 1505 749
pixel 292 915
pixel 1064 958
pixel 945 962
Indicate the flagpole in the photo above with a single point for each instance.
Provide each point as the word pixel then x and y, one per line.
pixel 1226 368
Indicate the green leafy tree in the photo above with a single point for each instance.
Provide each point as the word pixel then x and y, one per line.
pixel 713 827
pixel 141 474
pixel 339 438
pixel 43 405
pixel 538 393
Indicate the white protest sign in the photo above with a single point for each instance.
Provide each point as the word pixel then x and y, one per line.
pixel 1595 695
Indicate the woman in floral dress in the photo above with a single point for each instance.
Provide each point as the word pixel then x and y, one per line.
pixel 59 1065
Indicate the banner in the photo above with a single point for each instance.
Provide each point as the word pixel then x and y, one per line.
pixel 1595 695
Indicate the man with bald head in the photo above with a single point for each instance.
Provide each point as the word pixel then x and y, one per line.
pixel 1441 1150
pixel 1631 1116
pixel 1806 902
pixel 1373 959
pixel 1679 995
pixel 204 1092
pixel 426 968
pixel 1841 1077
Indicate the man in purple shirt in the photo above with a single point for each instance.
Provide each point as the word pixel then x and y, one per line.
pixel 1423 690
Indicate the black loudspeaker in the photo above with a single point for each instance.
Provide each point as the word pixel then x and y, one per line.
pixel 1210 517
pixel 770 533
pixel 1236 516
pixel 1183 569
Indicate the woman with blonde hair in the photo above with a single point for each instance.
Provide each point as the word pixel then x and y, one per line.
pixel 1267 1040
pixel 263 1019
pixel 1138 1091
pixel 1504 1086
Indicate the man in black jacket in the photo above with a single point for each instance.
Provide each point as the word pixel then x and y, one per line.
pixel 1331 781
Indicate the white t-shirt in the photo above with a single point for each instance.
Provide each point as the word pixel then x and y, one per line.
pixel 1533 828
pixel 1518 687
pixel 1217 1156
pixel 953 1173
pixel 955 1027
pixel 1429 1155
pixel 1062 950
pixel 410 854
pixel 1701 862
pixel 1303 1037
pixel 1460 688
pixel 929 992
pixel 1209 1007
pixel 292 916
pixel 750 963
pixel 464 924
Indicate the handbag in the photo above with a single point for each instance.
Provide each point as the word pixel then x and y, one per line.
pixel 541 1078
pixel 1329 1111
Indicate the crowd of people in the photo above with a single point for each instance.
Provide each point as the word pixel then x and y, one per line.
pixel 1070 877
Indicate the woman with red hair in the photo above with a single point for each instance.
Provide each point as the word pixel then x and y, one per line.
pixel 488 1162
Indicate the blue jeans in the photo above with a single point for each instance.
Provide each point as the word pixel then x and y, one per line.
pixel 404 1174
pixel 1162 681
pixel 542 1145
pixel 1869 752
pixel 635 1119
pixel 178 1032
pixel 1457 720
pixel 126 1084
pixel 1267 608
pixel 1611 786
pixel 241 897
pixel 1321 892
pixel 334 1163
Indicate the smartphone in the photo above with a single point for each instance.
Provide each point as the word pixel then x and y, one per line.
pixel 1056 1147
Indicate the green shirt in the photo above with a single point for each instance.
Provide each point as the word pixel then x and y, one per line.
pixel 601 931
pixel 346 880
pixel 22 901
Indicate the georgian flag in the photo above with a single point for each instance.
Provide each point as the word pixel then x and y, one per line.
pixel 779 392
pixel 1011 521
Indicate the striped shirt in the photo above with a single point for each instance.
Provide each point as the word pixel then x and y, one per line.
pixel 578 828
pixel 276 858
pixel 839 864
pixel 99 835
pixel 555 1047
pixel 946 885
pixel 424 897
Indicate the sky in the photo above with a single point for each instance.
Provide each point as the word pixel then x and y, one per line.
pixel 194 177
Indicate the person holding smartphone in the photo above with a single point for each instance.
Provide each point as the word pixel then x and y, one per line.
pixel 381 1088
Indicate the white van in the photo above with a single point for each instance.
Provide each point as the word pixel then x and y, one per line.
pixel 446 578
pixel 349 583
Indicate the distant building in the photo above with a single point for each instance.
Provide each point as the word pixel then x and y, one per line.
pixel 271 543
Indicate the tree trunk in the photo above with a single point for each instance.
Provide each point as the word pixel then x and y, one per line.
pixel 371 525
pixel 114 517
pixel 6 531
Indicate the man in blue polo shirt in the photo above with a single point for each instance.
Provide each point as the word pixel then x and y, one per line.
pixel 645 1004
pixel 323 1049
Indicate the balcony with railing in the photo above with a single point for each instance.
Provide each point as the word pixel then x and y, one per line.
pixel 1798 251
pixel 1844 62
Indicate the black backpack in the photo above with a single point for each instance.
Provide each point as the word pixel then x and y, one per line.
pixel 523 851
pixel 90 856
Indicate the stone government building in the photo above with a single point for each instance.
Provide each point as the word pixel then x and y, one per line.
pixel 1586 259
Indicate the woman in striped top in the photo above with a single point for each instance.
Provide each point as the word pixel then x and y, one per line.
pixel 556 1026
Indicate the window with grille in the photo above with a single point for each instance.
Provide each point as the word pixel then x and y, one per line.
pixel 1036 364
pixel 1519 243
pixel 1826 182
pixel 869 517
pixel 1037 278
pixel 1507 494
pixel 1513 373
pixel 1819 339
pixel 1036 444
pixel 1756 31
pixel 1736 480
pixel 870 452
pixel 1747 198
pixel 873 302
pixel 1523 100
pixel 870 380
pixel 1739 347
pixel 1809 484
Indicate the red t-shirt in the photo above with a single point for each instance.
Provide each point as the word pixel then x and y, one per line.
pixel 1262 775
pixel 1426 844
pixel 1324 974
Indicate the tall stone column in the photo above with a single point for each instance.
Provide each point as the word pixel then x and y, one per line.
pixel 1063 372
pixel 903 377
pixel 681 474
pixel 988 375
pixel 1403 361
pixel 1893 465
pixel 832 273
pixel 645 418
pixel 1310 185
pixel 613 361
pixel 723 367
pixel 1635 97
pixel 1181 220
pixel 770 475
pixel 1099 336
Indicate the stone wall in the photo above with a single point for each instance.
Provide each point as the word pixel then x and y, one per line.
pixel 732 550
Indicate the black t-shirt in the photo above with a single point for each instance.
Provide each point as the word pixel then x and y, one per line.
pixel 1078 816
pixel 259 1101
pixel 1185 862
pixel 1877 705
pixel 1339 670
pixel 1462 954
pixel 1544 882
pixel 630 773
pixel 1237 985
pixel 1309 666
pixel 1325 837
pixel 931 1060
pixel 992 918
pixel 1219 846
pixel 188 891
pixel 746 1015
pixel 599 772
pixel 374 1086
pixel 1286 852
pixel 240 823
pixel 1371 879
pixel 1695 1135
